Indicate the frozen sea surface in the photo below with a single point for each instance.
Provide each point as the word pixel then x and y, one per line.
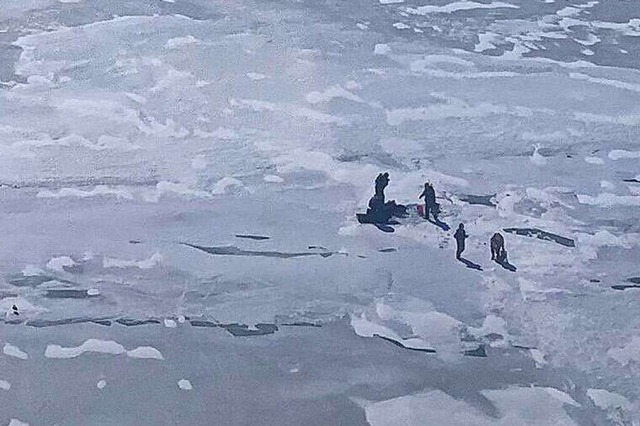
pixel 134 132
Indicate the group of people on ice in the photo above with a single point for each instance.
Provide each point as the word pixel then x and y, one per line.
pixel 381 212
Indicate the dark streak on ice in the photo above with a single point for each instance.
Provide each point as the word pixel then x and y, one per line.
pixel 68 294
pixel 301 324
pixel 483 200
pixel 478 352
pixel 388 250
pixel 625 286
pixel 235 251
pixel 241 330
pixel 39 323
pixel 635 283
pixel 203 323
pixel 400 345
pixel 253 237
pixel 133 322
pixel 542 235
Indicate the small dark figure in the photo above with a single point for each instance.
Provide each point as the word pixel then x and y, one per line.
pixel 430 204
pixel 14 308
pixel 382 181
pixel 460 237
pixel 498 253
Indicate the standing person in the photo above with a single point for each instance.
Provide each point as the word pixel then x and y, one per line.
pixel 382 181
pixel 460 237
pixel 430 204
pixel 498 252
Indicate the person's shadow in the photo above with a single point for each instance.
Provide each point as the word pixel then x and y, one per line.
pixel 470 264
pixel 506 265
pixel 440 224
pixel 384 227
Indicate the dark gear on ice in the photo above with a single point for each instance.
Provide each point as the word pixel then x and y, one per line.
pixel 381 211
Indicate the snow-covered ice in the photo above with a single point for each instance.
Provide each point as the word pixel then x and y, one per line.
pixel 14 351
pixel 131 128
pixel 184 384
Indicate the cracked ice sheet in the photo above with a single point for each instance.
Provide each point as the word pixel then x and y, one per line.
pixel 489 113
pixel 516 406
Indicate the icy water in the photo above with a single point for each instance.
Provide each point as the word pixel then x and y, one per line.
pixel 134 132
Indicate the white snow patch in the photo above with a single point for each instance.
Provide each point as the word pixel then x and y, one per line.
pixel 536 158
pixel 332 92
pixel 424 63
pixel 621 154
pixel 91 345
pixel 101 384
pixel 178 188
pixel 4 385
pixel 460 5
pixel 291 110
pixel 145 352
pixel 609 200
pixel 605 399
pixel 225 183
pixel 516 406
pixel 24 306
pixel 169 323
pixel 608 185
pixel 381 49
pixel 492 324
pixel 401 26
pixel 627 353
pixel 487 41
pixel 178 42
pixel 594 160
pixel 538 357
pixel 32 271
pixel 391 1
pixel 199 163
pixel 184 384
pixel 219 133
pixel 58 263
pixel 453 108
pixel 255 76
pixel 606 82
pixel 16 422
pixel 149 263
pixel 273 179
pixel 101 346
pixel 98 191
pixel 14 351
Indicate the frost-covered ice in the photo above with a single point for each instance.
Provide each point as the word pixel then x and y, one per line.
pixel 14 351
pixel 184 384
pixel 516 406
pixel 145 352
pixel 102 347
pixel 129 129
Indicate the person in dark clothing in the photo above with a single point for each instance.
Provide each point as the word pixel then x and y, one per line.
pixel 460 237
pixel 382 181
pixel 430 204
pixel 498 253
